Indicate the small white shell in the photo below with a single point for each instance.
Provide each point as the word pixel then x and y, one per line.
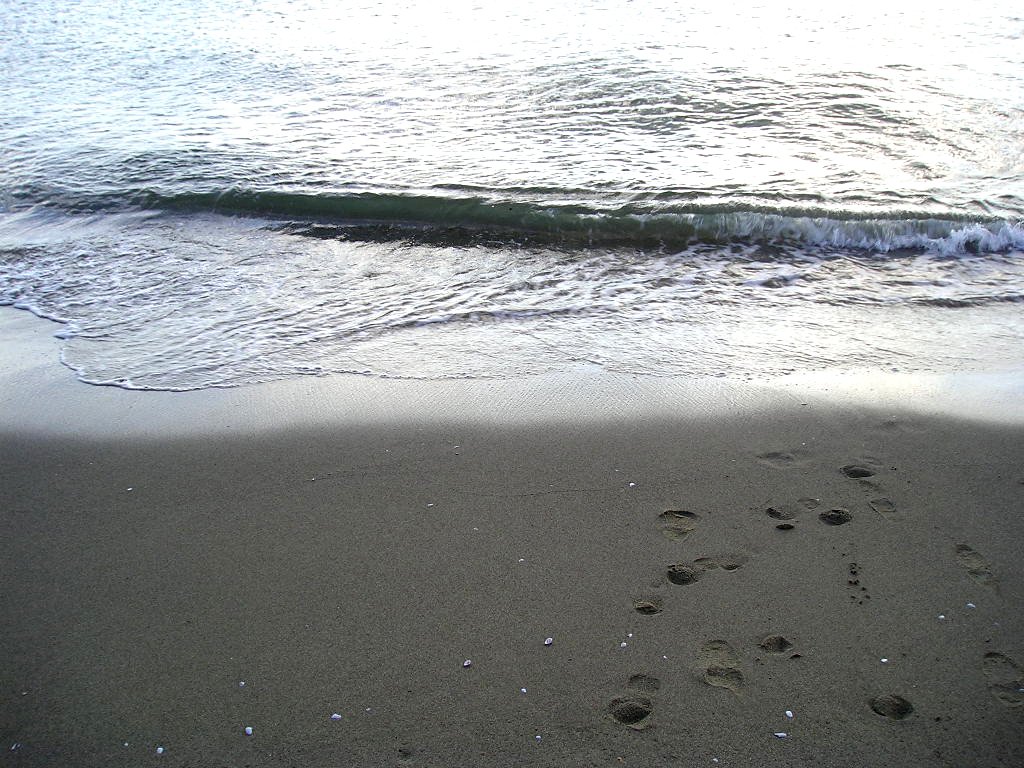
pixel 467 663
pixel 548 640
pixel 780 734
pixel 248 730
pixel 789 713
pixel 159 750
pixel 335 716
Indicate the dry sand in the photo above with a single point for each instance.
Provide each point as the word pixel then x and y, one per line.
pixel 159 550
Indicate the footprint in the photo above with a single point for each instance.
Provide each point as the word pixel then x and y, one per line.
pixel 688 573
pixel 648 605
pixel 892 706
pixel 860 592
pixel 683 574
pixel 677 524
pixel 631 710
pixel 1005 678
pixel 857 471
pixel 643 683
pixel 784 459
pixel 884 507
pixel 836 516
pixel 406 755
pixel 730 562
pixel 976 565
pixel 775 644
pixel 719 665
pixel 783 513
pixel 780 513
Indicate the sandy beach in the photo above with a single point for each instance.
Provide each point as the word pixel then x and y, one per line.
pixel 611 572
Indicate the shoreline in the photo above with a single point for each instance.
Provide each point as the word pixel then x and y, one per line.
pixel 41 396
pixel 346 552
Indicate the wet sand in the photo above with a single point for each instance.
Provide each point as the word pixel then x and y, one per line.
pixel 199 565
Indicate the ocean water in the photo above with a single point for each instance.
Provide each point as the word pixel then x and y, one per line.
pixel 220 193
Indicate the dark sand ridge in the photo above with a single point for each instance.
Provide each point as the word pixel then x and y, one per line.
pixel 353 567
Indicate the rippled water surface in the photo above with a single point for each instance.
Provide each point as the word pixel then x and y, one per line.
pixel 212 194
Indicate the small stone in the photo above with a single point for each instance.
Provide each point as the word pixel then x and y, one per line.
pixel 622 645
pixel 789 714
pixel 248 730
pixel 159 750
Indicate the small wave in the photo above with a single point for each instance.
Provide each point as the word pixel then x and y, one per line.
pixel 461 220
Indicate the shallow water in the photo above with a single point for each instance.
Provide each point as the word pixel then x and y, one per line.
pixel 211 194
